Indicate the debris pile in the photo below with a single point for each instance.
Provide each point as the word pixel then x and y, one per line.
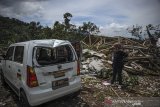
pixel 142 59
pixel 141 65
pixel 93 63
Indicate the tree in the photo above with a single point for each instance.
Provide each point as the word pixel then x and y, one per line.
pixel 89 28
pixel 46 33
pixel 154 36
pixel 58 30
pixel 67 17
pixel 136 31
pixel 14 30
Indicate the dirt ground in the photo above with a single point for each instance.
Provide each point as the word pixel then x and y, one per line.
pixel 9 99
pixel 93 93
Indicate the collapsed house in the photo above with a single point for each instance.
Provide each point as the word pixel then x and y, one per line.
pixel 142 59
pixel 141 66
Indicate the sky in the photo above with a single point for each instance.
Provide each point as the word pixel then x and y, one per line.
pixel 113 17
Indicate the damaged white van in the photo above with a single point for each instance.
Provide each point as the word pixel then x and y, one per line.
pixel 41 70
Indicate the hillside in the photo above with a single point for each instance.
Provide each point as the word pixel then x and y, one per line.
pixel 14 30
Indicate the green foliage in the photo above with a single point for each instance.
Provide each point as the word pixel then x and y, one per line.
pixel 89 27
pixel 14 30
pixel 67 17
pixel 99 95
pixel 155 28
pixel 132 81
pixel 153 31
pixel 136 31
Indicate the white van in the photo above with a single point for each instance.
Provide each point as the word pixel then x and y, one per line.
pixel 41 70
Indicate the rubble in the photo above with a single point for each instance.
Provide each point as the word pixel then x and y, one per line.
pixel 142 63
pixel 141 59
pixel 92 62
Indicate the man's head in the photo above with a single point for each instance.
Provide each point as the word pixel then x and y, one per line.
pixel 118 46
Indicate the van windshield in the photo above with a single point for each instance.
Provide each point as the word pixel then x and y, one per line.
pixel 47 56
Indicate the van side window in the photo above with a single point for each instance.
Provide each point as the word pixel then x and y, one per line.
pixel 9 54
pixel 18 54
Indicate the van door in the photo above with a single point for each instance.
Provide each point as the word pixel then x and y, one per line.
pixel 18 67
pixel 78 48
pixel 8 64
pixel 55 67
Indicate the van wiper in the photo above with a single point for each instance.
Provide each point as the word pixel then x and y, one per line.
pixel 38 66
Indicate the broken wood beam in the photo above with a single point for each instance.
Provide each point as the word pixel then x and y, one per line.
pixel 139 58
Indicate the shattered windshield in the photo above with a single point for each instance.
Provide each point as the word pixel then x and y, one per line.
pixel 47 56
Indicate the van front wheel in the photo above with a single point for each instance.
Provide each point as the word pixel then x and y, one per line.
pixel 3 80
pixel 23 100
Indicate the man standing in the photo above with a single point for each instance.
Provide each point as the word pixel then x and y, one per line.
pixel 118 62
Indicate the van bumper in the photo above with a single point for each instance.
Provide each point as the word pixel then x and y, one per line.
pixel 37 97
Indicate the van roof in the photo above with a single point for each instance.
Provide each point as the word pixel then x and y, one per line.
pixel 43 42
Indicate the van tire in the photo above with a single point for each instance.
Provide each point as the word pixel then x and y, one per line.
pixel 75 94
pixel 3 81
pixel 23 100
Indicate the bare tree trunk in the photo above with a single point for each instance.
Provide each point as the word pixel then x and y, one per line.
pixel 90 40
pixel 152 39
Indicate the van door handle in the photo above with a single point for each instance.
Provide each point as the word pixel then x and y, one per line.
pixel 59 66
pixel 9 66
pixel 19 70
